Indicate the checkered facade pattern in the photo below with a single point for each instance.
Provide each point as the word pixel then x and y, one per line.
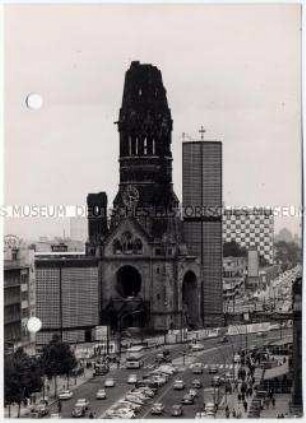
pixel 253 228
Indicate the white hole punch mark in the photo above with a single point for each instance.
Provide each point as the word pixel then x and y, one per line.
pixel 34 101
pixel 34 324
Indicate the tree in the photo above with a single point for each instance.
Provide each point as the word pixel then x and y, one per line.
pixel 287 254
pixel 57 359
pixel 22 377
pixel 232 249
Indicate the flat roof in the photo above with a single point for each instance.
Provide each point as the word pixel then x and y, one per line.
pixel 203 142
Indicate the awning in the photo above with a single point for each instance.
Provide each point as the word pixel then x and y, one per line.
pixel 276 371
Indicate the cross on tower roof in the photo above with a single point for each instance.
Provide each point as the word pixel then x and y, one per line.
pixel 202 132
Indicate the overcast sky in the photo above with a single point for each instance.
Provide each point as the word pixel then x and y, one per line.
pixel 233 69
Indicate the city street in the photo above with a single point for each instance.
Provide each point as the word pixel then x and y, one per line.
pixel 215 353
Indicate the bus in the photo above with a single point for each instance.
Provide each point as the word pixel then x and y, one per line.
pixel 134 357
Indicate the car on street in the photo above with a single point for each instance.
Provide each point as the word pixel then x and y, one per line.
pixel 109 382
pixel 197 347
pixel 40 410
pixel 157 409
pixel 176 410
pixel 187 399
pixel 159 379
pixel 78 411
pixel 196 383
pixel 101 394
pixel 213 369
pixel 178 385
pixel 132 379
pixel 83 402
pixel 65 395
pixel 167 369
pixel 197 368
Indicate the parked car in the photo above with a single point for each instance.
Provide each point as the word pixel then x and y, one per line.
pixel 135 407
pixel 65 395
pixel 134 399
pixel 178 384
pixel 176 410
pixel 101 394
pixel 147 391
pixel 157 409
pixel 109 382
pixel 160 380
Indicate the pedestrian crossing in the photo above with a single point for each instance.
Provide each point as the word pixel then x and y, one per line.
pixel 218 366
pixel 150 366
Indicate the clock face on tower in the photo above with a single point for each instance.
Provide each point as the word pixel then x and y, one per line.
pixel 130 196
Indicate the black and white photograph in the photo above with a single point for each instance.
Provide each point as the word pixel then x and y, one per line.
pixel 152 211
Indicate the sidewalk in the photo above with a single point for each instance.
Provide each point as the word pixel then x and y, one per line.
pixel 233 404
pixel 281 407
pixel 61 385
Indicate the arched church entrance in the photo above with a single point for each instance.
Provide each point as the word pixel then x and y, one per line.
pixel 128 282
pixel 190 300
